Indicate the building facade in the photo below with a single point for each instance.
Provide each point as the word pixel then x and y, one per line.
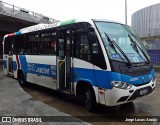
pixel 146 22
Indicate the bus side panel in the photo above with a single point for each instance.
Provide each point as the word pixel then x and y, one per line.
pixel 103 78
pixel 101 97
pixel 39 69
pixel 83 71
pixel 98 78
pixel 5 64
pixel 15 66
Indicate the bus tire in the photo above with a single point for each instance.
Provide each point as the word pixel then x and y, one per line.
pixel 89 100
pixel 21 80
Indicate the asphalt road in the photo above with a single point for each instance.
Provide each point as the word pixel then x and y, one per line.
pixel 147 106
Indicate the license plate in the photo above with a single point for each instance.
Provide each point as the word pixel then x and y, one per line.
pixel 143 91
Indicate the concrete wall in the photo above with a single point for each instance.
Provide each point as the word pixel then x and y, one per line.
pixel 146 21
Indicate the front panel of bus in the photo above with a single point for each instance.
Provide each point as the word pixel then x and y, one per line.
pixel 130 74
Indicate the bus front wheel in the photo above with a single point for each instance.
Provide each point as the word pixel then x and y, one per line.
pixel 21 79
pixel 89 100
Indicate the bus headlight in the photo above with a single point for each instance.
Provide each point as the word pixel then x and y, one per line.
pixel 154 79
pixel 121 85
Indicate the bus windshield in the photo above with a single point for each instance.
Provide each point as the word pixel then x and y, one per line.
pixel 122 43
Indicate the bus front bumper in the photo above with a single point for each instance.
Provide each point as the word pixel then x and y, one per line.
pixel 117 96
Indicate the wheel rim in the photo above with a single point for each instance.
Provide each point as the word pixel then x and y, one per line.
pixel 87 99
pixel 21 80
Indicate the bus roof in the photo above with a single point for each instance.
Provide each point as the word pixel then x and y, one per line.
pixel 46 26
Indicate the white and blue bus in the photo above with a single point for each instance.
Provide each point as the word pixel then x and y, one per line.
pixel 102 61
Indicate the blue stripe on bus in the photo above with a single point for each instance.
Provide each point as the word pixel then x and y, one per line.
pixel 138 80
pixel 102 78
pixel 99 78
pixel 17 33
pixel 14 66
pixel 23 63
pixel 38 69
pixel 42 69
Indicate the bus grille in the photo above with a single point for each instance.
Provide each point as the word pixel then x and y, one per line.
pixel 135 71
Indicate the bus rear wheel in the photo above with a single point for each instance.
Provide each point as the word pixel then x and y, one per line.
pixel 21 79
pixel 89 100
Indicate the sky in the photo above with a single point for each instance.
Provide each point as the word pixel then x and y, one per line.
pixel 81 9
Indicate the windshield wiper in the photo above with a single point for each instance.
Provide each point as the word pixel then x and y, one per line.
pixel 114 44
pixel 136 47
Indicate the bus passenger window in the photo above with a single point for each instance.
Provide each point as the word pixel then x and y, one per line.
pixel 48 41
pixel 32 44
pixel 8 45
pixel 82 47
pixel 28 48
pixel 19 44
pixel 97 54
pixel 35 48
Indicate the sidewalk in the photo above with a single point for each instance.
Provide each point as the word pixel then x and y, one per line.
pixel 14 101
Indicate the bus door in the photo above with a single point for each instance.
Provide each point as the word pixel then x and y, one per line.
pixel 10 65
pixel 10 56
pixel 64 59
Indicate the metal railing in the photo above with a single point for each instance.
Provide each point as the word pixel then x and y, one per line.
pixel 21 13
